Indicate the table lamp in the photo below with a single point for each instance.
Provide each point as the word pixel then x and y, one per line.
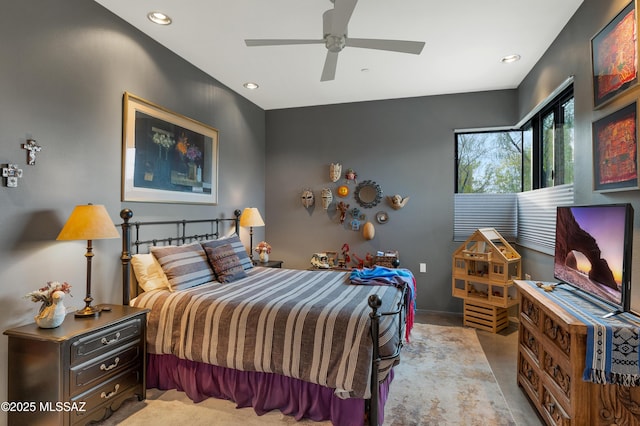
pixel 88 222
pixel 251 217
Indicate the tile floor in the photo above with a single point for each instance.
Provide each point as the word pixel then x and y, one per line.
pixel 501 350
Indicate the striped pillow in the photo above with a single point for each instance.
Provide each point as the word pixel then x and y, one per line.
pixel 185 266
pixel 237 246
pixel 226 263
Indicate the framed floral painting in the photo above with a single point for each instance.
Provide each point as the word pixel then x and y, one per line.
pixel 167 157
pixel 615 150
pixel 614 57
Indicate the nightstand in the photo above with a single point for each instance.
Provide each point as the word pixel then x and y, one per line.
pixel 79 372
pixel 269 264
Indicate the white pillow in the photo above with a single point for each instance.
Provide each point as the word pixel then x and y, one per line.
pixel 148 272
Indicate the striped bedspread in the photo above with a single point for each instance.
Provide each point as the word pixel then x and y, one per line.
pixel 309 325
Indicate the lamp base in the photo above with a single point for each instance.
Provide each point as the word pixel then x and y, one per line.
pixel 88 311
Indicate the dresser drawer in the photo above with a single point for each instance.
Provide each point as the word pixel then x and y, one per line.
pixel 553 410
pixel 528 376
pixel 558 374
pixel 107 397
pixel 95 344
pixel 529 310
pixel 558 335
pixel 86 375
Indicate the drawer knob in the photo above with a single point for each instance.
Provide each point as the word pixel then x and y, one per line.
pixel 104 367
pixel 107 395
pixel 104 340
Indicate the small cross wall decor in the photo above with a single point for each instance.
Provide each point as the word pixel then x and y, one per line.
pixel 32 147
pixel 12 173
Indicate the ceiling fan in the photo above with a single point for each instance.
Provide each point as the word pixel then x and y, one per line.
pixel 334 25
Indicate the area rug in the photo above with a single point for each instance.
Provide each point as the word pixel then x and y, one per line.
pixel 444 379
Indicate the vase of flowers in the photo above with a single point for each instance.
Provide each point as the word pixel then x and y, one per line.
pixel 263 249
pixel 52 310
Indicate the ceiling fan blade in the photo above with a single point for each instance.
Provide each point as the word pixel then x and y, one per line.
pixel 330 65
pixel 404 46
pixel 342 11
pixel 280 42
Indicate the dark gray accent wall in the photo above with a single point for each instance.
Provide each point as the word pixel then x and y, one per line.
pixel 570 55
pixel 65 65
pixel 405 145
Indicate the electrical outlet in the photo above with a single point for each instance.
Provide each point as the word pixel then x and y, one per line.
pixel 423 267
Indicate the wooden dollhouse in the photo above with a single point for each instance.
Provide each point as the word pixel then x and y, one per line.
pixel 484 268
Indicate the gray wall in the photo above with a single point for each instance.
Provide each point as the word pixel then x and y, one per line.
pixel 405 145
pixel 65 66
pixel 569 55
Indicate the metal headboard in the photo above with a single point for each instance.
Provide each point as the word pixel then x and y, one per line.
pixel 179 236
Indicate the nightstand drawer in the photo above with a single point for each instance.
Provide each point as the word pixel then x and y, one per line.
pixel 107 397
pixel 86 375
pixel 92 345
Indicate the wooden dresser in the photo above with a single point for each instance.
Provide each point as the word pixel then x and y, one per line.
pixel 79 372
pixel 551 361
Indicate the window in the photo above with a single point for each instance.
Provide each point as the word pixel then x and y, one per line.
pixel 512 180
pixel 538 155
pixel 552 143
pixel 489 162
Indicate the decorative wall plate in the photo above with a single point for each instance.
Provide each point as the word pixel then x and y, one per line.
pixel 382 217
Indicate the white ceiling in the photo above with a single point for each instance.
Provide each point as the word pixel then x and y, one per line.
pixel 465 40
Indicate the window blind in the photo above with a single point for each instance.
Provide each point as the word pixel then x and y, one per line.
pixel 537 216
pixel 473 211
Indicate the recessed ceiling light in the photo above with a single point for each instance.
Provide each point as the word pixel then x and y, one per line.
pixel 251 86
pixel 510 58
pixel 159 18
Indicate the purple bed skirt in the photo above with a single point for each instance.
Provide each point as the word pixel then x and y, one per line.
pixel 262 391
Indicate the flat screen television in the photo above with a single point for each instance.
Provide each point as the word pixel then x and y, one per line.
pixel 593 251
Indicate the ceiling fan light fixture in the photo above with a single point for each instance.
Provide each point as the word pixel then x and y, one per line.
pixel 250 85
pixel 510 58
pixel 159 18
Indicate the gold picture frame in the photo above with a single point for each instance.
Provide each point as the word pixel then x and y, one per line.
pixel 167 157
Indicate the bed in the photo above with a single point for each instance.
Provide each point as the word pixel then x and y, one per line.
pixel 312 344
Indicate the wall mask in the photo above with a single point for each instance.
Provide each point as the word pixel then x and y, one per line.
pixel 335 171
pixel 327 198
pixel 307 198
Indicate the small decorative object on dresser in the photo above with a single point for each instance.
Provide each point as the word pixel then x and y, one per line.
pixel 52 311
pixel 263 249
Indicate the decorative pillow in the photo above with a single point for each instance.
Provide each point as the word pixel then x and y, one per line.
pixel 148 272
pixel 185 266
pixel 226 263
pixel 238 248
